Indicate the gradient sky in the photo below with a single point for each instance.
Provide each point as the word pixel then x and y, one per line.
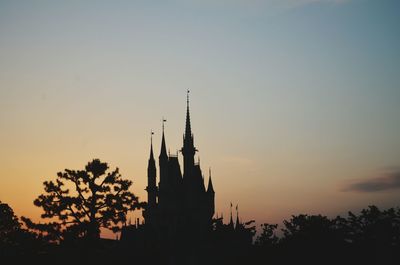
pixel 294 103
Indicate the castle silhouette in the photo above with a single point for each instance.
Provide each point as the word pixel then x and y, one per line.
pixel 179 202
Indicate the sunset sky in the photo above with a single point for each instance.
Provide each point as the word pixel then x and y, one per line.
pixel 295 104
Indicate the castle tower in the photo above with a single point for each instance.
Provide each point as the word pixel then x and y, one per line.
pixel 188 149
pixel 210 196
pixel 151 184
pixel 163 164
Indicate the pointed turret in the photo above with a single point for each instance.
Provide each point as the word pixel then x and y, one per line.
pixel 151 158
pixel 151 167
pixel 210 196
pixel 237 218
pixel 231 225
pixel 151 184
pixel 210 188
pixel 163 163
pixel 163 152
pixel 188 149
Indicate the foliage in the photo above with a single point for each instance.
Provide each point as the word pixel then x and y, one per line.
pixel 267 237
pixel 80 202
pixel 304 227
pixel 369 237
pixel 374 225
pixel 14 239
pixel 9 225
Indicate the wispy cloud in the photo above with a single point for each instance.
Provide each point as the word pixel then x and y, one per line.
pixel 390 181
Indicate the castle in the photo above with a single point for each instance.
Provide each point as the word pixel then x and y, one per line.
pixel 180 202
pixel 179 225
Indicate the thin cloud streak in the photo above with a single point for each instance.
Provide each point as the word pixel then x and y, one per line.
pixel 390 181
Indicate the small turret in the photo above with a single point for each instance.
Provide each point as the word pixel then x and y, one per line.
pixel 231 225
pixel 210 188
pixel 210 196
pixel 238 224
pixel 163 151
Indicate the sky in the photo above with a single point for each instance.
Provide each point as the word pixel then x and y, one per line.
pixel 294 103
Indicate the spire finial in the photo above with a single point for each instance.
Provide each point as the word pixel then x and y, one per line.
pixel 187 98
pixel 163 122
pixel 188 130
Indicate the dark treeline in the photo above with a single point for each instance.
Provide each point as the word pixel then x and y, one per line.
pixel 79 203
pixel 370 237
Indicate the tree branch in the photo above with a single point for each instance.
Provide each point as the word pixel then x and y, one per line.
pixel 70 208
pixel 82 198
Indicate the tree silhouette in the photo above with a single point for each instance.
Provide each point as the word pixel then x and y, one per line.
pixel 374 226
pixel 9 225
pixel 14 239
pixel 307 227
pixel 80 202
pixel 267 237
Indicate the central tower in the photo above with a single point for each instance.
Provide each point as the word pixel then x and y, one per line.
pixel 188 150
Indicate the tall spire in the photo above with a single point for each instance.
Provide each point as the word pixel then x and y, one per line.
pixel 163 152
pixel 188 149
pixel 151 178
pixel 151 146
pixel 163 163
pixel 188 129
